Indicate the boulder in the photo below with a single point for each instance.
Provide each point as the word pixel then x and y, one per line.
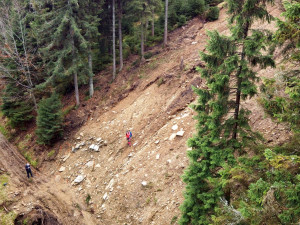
pixel 180 133
pixel 172 137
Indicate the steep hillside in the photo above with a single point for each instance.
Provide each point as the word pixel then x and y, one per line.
pixel 139 184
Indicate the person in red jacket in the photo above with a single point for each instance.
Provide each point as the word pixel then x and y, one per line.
pixel 128 136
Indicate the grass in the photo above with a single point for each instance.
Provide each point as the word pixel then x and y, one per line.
pixel 3 195
pixel 174 219
pixel 32 162
pixel 51 153
pixel 7 218
pixel 4 131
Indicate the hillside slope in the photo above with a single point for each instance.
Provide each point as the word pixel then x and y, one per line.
pixel 139 184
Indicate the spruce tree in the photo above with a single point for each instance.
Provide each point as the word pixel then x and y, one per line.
pixel 223 128
pixel 65 45
pixel 49 120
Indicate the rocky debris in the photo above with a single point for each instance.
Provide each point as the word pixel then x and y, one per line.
pixel 110 185
pixel 172 137
pixel 175 127
pixel 105 196
pixel 65 157
pixel 98 165
pixel 156 142
pixel 62 169
pixel 180 133
pixel 157 156
pixel 90 163
pixel 144 183
pixel 94 147
pixel 78 179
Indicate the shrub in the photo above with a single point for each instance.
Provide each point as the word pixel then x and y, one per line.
pixel 49 120
pixel 213 14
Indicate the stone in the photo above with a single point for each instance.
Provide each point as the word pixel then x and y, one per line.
pixel 175 127
pixel 79 179
pixel 66 157
pixel 99 139
pixel 180 133
pixel 105 196
pixel 62 169
pixel 57 178
pixel 156 142
pixel 169 161
pixel 94 147
pixel 98 165
pixel 90 163
pixel 172 137
pixel 110 184
pixel 144 183
pixel 81 134
pixel 194 42
pixel 157 156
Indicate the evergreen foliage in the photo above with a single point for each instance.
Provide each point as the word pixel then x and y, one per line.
pixel 223 127
pixel 49 120
pixel 288 33
pixel 213 14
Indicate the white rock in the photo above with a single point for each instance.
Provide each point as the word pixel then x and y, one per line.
pixel 194 42
pixel 98 165
pixel 144 183
pixel 180 133
pixel 105 196
pixel 99 139
pixel 169 161
pixel 110 184
pixel 90 163
pixel 81 134
pixel 189 149
pixel 135 144
pixel 79 179
pixel 66 157
pixel 175 127
pixel 157 156
pixel 172 137
pixel 62 169
pixel 156 142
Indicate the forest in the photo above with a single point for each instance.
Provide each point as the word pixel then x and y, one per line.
pixel 49 49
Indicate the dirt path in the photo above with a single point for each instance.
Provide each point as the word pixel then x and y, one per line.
pixel 50 196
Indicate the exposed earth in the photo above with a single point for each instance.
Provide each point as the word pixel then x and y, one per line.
pixel 96 177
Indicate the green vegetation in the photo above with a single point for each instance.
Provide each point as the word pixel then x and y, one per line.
pixel 232 179
pixel 7 218
pixel 49 120
pixel 51 153
pixel 31 161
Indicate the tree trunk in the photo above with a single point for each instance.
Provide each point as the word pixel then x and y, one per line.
pixel 33 99
pixel 146 29
pixel 152 25
pixel 91 83
pixel 120 36
pixel 114 39
pixel 239 85
pixel 166 25
pixel 75 73
pixel 142 42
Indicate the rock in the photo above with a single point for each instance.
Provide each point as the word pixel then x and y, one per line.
pixel 110 184
pixel 62 169
pixel 157 156
pixel 99 139
pixel 172 137
pixel 57 178
pixel 79 179
pixel 130 155
pixel 144 183
pixel 66 157
pixel 175 127
pixel 81 134
pixel 90 163
pixel 105 143
pixel 105 196
pixel 156 142
pixel 189 149
pixel 135 144
pixel 180 133
pixel 78 138
pixel 169 161
pixel 98 165
pixel 194 42
pixel 94 147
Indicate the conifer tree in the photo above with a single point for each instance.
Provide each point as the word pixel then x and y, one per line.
pixel 223 127
pixel 49 120
pixel 65 44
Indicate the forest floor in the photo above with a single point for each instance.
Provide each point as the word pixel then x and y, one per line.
pixel 140 184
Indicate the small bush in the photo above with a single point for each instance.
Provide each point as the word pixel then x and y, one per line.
pixel 51 153
pixel 213 14
pixel 31 161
